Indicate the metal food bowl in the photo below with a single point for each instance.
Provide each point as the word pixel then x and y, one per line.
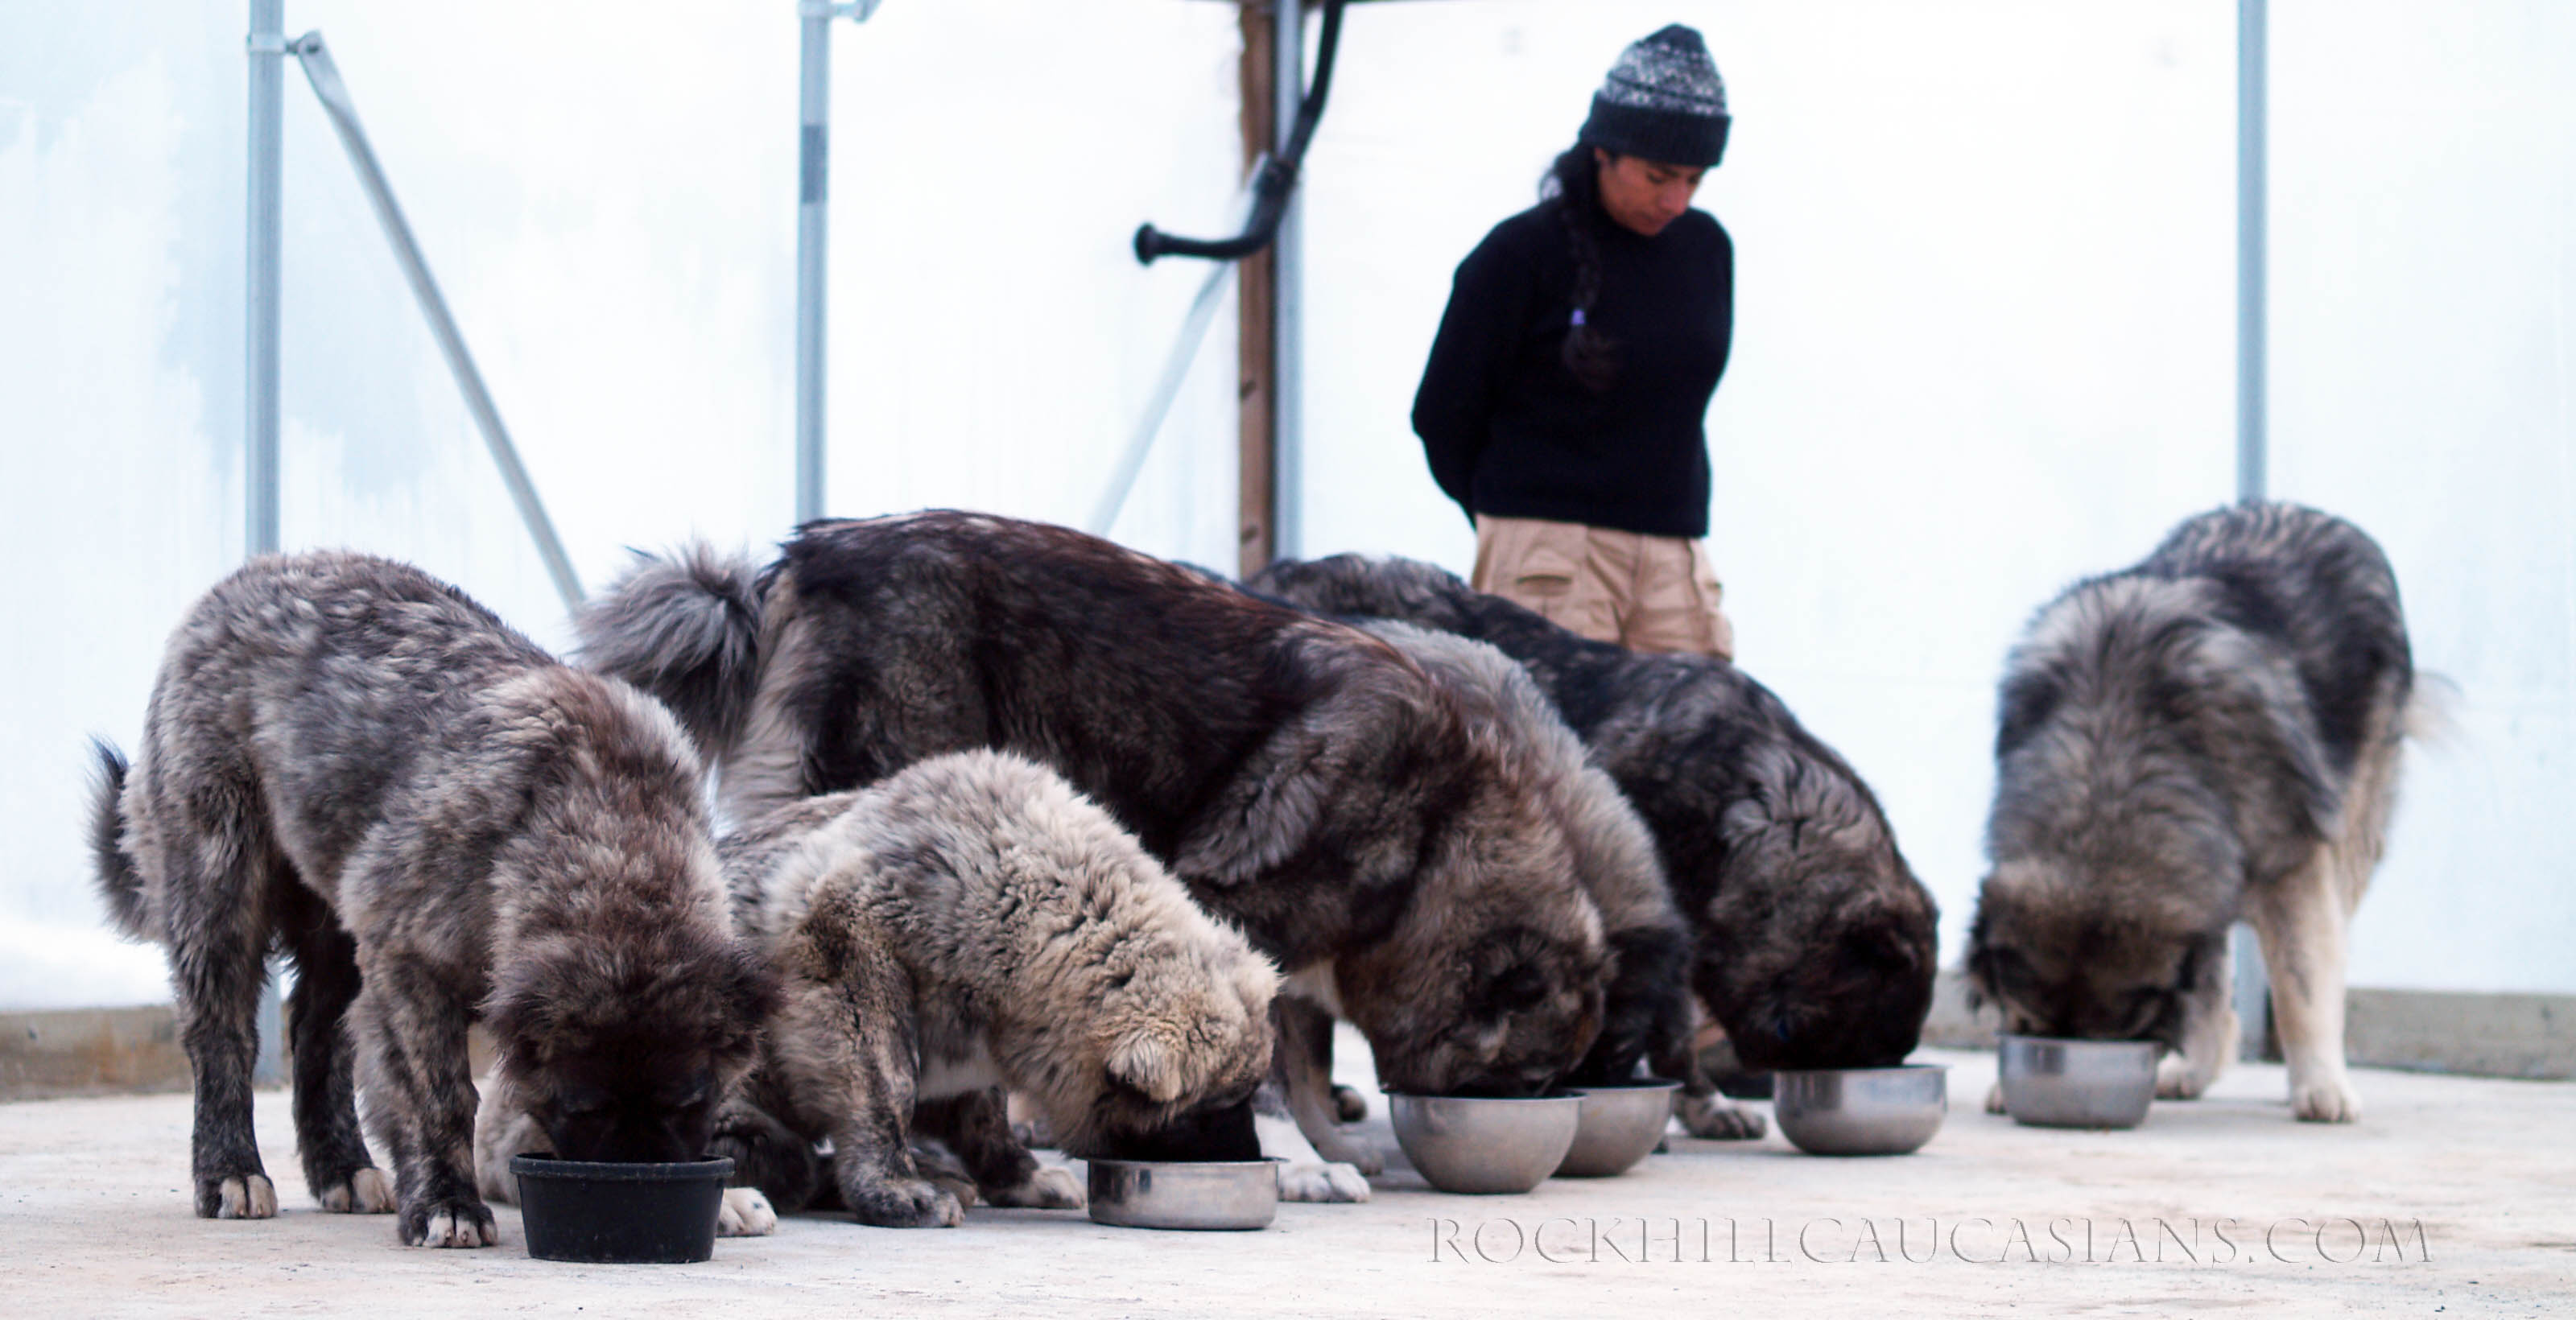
pixel 620 1214
pixel 1217 1194
pixel 2049 1082
pixel 1484 1146
pixel 1861 1111
pixel 1617 1125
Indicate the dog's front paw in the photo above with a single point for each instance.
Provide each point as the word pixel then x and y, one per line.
pixel 745 1213
pixel 1713 1118
pixel 1046 1189
pixel 1995 1098
pixel 2176 1079
pixel 2329 1101
pixel 1322 1182
pixel 364 1192
pixel 247 1196
pixel 1349 1106
pixel 905 1203
pixel 457 1223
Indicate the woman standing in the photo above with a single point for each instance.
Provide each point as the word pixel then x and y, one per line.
pixel 1564 401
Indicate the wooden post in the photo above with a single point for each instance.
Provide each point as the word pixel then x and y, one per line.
pixel 1255 399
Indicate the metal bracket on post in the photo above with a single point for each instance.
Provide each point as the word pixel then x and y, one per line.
pixel 813 156
pixel 325 77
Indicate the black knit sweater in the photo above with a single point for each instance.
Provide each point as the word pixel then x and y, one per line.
pixel 1508 428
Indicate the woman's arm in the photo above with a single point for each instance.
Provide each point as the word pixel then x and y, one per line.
pixel 1453 409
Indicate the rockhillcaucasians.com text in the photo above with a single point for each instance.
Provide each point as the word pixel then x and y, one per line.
pixel 1975 1240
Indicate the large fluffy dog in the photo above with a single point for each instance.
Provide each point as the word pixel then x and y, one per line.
pixel 349 761
pixel 967 923
pixel 2214 732
pixel 1814 941
pixel 1647 1009
pixel 1304 779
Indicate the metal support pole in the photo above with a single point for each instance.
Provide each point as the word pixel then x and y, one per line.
pixel 2252 989
pixel 325 77
pixel 813 161
pixel 813 155
pixel 267 50
pixel 2252 452
pixel 1288 440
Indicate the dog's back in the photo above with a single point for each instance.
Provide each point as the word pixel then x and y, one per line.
pixel 1816 941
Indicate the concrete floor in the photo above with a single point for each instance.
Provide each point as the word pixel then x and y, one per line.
pixel 92 1201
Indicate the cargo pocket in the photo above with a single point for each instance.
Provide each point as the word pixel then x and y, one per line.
pixel 1712 597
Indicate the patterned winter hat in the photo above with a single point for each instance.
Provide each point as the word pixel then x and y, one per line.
pixel 1663 101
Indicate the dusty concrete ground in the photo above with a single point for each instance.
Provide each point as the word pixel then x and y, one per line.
pixel 2454 1196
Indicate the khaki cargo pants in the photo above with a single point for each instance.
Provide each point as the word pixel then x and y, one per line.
pixel 1647 593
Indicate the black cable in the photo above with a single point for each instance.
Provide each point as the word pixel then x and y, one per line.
pixel 1278 175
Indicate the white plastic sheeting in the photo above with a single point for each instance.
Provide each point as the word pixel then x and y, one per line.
pixel 607 194
pixel 1983 347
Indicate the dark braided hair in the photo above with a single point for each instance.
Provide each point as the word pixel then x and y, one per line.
pixel 1572 188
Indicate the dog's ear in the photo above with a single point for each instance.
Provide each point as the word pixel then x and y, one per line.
pixel 1151 1063
pixel 1268 811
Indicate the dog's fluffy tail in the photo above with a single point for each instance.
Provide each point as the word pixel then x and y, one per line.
pixel 685 628
pixel 118 882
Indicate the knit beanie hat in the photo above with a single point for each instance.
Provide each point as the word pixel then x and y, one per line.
pixel 1663 101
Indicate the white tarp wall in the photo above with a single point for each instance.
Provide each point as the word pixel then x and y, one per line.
pixel 1984 339
pixel 607 193
pixel 1985 346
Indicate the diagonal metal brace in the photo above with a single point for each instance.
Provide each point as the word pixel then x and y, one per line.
pixel 325 77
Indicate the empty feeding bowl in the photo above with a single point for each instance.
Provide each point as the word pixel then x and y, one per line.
pixel 1481 1145
pixel 620 1214
pixel 2078 1083
pixel 1217 1194
pixel 1616 1126
pixel 1861 1111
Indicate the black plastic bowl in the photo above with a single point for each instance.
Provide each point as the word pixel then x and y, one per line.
pixel 620 1214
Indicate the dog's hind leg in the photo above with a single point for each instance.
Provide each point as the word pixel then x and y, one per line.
pixel 420 1099
pixel 336 1167
pixel 214 865
pixel 2302 919
pixel 977 1126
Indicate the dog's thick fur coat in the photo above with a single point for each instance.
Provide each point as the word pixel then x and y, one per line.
pixel 2211 734
pixel 1647 1008
pixel 972 921
pixel 1813 940
pixel 350 762
pixel 1303 779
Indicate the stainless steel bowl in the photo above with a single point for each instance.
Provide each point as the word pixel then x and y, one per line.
pixel 1484 1146
pixel 2078 1083
pixel 1232 1194
pixel 1861 1111
pixel 1617 1125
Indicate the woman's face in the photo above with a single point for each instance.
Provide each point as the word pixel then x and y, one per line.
pixel 1645 195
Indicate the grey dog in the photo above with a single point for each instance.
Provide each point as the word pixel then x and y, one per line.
pixel 348 761
pixel 1303 779
pixel 2214 732
pixel 1814 941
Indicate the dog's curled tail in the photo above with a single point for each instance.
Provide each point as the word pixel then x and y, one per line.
pixel 118 882
pixel 686 629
